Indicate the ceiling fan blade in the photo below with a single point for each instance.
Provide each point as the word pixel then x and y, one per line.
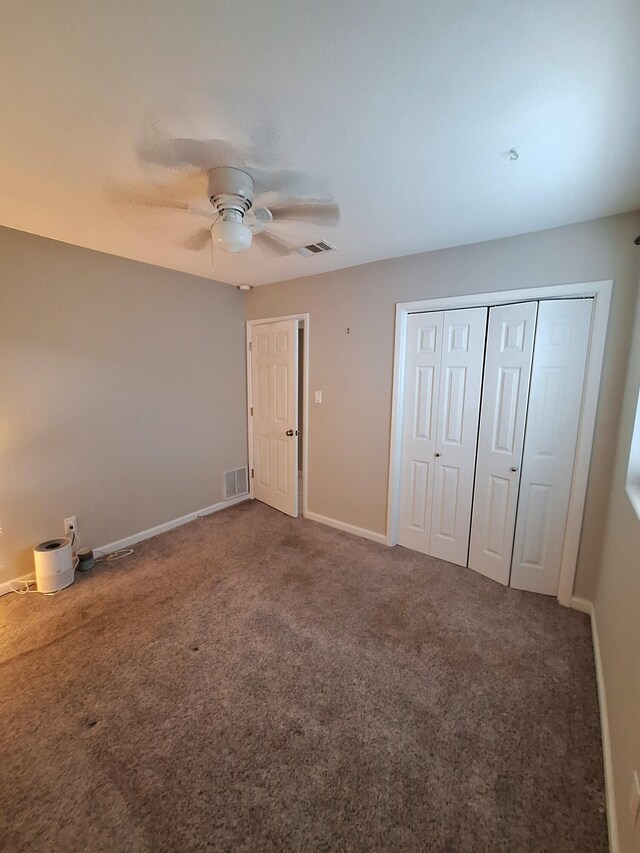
pixel 202 154
pixel 257 219
pixel 288 183
pixel 268 240
pixel 198 241
pixel 132 197
pixel 318 212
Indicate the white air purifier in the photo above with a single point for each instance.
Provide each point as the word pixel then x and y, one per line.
pixel 54 565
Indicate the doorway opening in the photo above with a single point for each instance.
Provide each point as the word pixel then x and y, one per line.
pixel 278 411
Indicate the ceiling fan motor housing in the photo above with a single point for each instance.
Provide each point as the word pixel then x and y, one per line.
pixel 230 189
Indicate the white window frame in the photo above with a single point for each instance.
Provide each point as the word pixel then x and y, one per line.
pixel 601 292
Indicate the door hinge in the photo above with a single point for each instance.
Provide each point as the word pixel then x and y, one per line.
pixel 251 411
pixel 250 345
pixel 252 472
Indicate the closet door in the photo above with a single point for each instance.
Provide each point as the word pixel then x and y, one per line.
pixel 457 432
pixel 421 387
pixel 502 422
pixel 555 401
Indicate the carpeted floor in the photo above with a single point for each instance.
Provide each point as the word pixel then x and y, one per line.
pixel 251 682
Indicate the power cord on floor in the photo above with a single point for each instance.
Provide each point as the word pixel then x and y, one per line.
pixel 29 584
pixel 114 555
pixel 25 586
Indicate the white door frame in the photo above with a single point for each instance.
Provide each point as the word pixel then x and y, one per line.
pixel 601 292
pixel 304 324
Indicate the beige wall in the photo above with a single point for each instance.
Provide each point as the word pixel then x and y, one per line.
pixel 349 432
pixel 122 394
pixel 617 608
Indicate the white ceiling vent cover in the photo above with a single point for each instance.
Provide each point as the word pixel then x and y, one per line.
pixel 316 248
pixel 235 483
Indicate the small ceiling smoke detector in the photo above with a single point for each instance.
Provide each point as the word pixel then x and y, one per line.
pixel 244 287
pixel 316 248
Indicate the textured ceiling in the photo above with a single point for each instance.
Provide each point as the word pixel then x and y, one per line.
pixel 404 111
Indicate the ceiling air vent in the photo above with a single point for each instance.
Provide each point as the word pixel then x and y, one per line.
pixel 316 248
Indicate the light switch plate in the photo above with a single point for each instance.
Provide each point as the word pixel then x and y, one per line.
pixel 318 397
pixel 634 799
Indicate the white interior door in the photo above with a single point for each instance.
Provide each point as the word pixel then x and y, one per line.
pixel 463 336
pixel 421 388
pixel 555 402
pixel 274 391
pixel 505 392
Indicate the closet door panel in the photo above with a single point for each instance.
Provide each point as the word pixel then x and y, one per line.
pixel 557 379
pixel 421 390
pixel 463 336
pixel 505 393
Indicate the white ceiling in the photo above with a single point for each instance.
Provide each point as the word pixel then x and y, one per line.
pixel 405 110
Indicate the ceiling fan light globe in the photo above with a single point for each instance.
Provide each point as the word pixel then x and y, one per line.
pixel 231 235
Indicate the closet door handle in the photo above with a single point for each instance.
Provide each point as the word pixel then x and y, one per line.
pixel 436 454
pixel 514 470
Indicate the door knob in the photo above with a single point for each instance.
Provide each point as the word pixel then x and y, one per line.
pixel 289 432
pixel 436 454
pixel 514 470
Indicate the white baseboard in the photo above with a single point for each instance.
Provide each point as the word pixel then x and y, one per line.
pixel 348 528
pixel 146 534
pixel 169 525
pixel 585 606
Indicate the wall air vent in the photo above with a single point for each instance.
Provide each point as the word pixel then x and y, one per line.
pixel 316 248
pixel 235 483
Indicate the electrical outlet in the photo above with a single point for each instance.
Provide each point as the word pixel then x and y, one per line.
pixel 634 799
pixel 70 524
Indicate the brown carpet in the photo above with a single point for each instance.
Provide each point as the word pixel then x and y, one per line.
pixel 251 682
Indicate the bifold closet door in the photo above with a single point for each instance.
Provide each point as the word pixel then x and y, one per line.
pixel 505 392
pixel 555 402
pixel 463 336
pixel 420 410
pixel 443 373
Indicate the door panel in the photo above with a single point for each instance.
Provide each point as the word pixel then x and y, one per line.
pixel 419 485
pixel 261 460
pixel 274 378
pixel 282 466
pixel 454 390
pixel 537 498
pixel 496 532
pixel 421 388
pixel 447 489
pixel 509 353
pixel 424 403
pixel 457 432
pixel 557 379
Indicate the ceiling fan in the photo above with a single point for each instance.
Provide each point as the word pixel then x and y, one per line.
pixel 239 218
pixel 248 202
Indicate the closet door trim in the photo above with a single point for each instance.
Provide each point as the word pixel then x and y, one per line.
pixel 601 292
